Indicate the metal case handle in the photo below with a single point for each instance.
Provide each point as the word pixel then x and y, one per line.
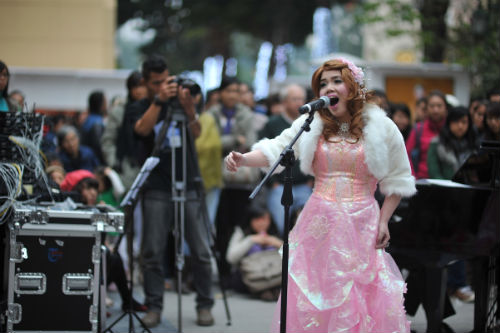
pixel 77 284
pixel 30 283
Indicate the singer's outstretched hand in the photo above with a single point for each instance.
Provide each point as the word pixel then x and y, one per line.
pixel 234 160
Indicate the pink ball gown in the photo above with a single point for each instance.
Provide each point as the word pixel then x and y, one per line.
pixel 338 281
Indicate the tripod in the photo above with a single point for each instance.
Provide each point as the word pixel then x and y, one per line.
pixel 179 198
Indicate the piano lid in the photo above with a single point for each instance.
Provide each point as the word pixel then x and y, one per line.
pixel 442 183
pixel 482 168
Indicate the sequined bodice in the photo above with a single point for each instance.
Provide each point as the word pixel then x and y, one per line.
pixel 341 173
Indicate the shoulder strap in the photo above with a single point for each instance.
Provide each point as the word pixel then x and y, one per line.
pixel 416 151
pixel 418 134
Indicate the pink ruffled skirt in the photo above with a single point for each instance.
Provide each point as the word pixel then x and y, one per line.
pixel 338 281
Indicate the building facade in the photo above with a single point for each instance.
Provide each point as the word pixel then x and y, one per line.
pixel 58 33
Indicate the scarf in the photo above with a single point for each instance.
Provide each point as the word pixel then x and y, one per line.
pixel 229 114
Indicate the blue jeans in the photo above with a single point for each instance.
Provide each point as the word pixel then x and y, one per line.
pixel 158 220
pixel 301 194
pixel 457 275
pixel 212 197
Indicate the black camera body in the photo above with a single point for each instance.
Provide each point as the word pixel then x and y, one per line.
pixel 194 88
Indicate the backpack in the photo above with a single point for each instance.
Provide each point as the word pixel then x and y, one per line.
pixel 261 270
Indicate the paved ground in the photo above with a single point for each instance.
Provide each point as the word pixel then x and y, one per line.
pixel 250 315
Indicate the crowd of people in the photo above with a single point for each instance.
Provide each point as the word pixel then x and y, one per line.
pixel 96 155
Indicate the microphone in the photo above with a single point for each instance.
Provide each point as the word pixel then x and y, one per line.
pixel 318 104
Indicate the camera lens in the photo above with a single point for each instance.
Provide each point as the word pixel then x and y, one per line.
pixel 194 88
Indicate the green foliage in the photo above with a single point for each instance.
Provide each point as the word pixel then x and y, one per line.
pixel 200 29
pixel 475 43
pixel 399 16
pixel 245 48
pixel 477 51
pixel 187 35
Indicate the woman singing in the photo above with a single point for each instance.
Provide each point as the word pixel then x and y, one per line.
pixel 340 277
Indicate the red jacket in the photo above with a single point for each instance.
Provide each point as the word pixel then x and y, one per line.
pixel 430 130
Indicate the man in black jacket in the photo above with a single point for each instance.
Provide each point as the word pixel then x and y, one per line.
pixel 146 118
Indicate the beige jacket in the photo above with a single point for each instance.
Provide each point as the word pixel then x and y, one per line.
pixel 243 125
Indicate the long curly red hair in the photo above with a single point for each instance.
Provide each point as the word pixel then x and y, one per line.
pixel 355 99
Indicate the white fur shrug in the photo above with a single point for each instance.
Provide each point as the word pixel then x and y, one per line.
pixel 385 152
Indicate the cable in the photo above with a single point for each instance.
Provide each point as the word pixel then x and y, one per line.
pixel 12 175
pixel 29 151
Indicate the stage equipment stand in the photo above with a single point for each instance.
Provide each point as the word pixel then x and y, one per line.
pixel 286 159
pixel 128 204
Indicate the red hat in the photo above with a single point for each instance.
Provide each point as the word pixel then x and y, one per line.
pixel 74 177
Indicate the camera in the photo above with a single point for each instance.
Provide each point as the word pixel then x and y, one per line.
pixel 194 88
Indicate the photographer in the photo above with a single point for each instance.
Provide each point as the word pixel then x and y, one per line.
pixel 146 117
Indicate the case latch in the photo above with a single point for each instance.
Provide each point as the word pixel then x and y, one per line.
pixel 18 252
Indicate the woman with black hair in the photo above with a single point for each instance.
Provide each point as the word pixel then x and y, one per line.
pixel 492 122
pixel 477 112
pixel 93 127
pixel 73 155
pixel 6 104
pixel 117 142
pixel 455 143
pixel 447 152
pixel 256 235
pixel 401 116
pixel 136 90
pixel 417 144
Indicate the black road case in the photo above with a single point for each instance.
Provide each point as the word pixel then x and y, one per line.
pixel 54 269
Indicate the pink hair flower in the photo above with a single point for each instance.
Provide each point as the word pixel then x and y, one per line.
pixel 357 72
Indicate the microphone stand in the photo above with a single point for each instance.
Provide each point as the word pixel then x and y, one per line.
pixel 286 159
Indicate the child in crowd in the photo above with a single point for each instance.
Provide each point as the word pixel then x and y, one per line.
pixel 258 234
pixel 83 183
pixel 56 173
pixel 110 187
